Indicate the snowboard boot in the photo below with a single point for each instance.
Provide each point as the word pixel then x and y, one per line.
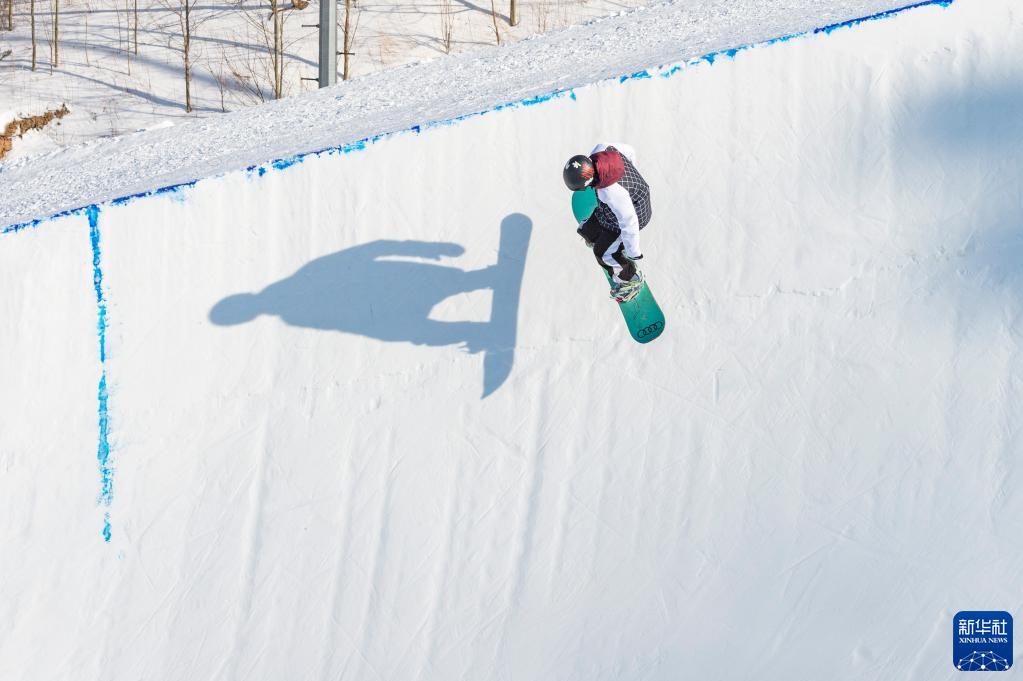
pixel 623 293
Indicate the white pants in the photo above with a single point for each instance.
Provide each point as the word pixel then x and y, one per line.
pixel 612 257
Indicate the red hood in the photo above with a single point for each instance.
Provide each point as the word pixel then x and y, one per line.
pixel 610 167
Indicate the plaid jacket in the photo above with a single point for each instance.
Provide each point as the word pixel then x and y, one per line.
pixel 613 212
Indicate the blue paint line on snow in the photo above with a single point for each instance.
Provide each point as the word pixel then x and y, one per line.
pixel 827 30
pixel 106 470
pixel 540 99
pixel 119 201
pixel 97 281
pixel 283 163
pixel 635 76
pixel 729 53
pixel 664 71
pixel 169 189
pixel 38 221
pixel 880 15
pixel 106 496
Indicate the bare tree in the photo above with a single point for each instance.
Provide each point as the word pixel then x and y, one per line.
pixel 124 32
pixel 277 14
pixel 188 20
pixel 222 80
pixel 272 37
pixel 32 18
pixel 187 27
pixel 7 12
pixel 135 28
pixel 447 26
pixel 55 45
pixel 250 74
pixel 246 79
pixel 348 37
pixel 493 15
pixel 277 53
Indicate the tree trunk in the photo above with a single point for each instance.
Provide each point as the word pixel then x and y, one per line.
pixel 347 48
pixel 32 14
pixel 513 13
pixel 493 15
pixel 136 27
pixel 56 33
pixel 127 35
pixel 186 35
pixel 278 60
pixel 447 25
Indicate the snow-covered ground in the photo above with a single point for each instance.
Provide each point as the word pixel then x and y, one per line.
pixel 112 90
pixel 366 414
pixel 402 98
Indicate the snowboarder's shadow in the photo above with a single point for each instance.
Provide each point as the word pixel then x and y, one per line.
pixel 359 290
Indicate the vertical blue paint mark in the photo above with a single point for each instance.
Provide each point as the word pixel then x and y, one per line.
pixel 97 282
pixel 106 470
pixel 103 456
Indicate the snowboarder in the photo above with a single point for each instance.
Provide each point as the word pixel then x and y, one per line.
pixel 623 208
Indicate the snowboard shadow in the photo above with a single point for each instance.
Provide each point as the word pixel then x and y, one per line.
pixel 360 290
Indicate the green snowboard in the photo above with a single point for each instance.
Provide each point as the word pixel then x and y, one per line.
pixel 642 314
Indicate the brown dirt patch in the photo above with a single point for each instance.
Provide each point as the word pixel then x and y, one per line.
pixel 20 126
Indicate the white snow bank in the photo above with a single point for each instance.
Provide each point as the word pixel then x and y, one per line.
pixel 398 99
pixel 812 469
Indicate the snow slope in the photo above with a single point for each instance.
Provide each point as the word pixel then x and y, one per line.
pixel 365 414
pixel 399 99
pixel 111 91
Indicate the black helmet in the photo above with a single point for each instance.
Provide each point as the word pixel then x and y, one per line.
pixel 579 173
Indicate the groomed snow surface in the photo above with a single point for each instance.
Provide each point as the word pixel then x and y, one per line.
pixel 111 91
pixel 368 415
pixel 400 99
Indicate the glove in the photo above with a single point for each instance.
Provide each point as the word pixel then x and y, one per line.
pixel 634 258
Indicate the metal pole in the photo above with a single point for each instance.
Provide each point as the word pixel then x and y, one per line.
pixel 328 42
